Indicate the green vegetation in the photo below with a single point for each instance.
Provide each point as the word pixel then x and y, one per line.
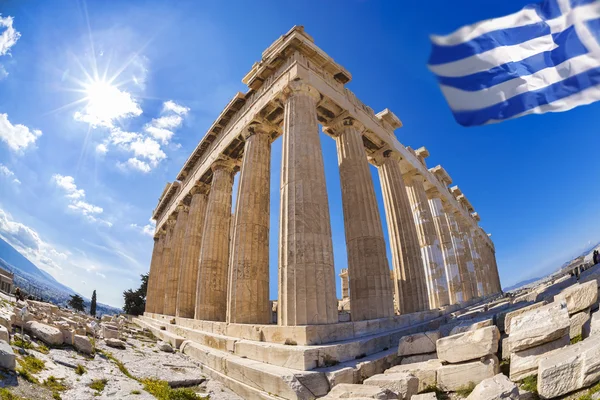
pixel 439 393
pixel 135 300
pixel 80 369
pixel 54 384
pixel 120 365
pixel 93 304
pixel 136 392
pixel 576 339
pixel 56 396
pixel 31 364
pixel 98 385
pixel 530 384
pixel 162 391
pixel 465 391
pixel 6 394
pixel 76 303
pixel 590 392
pixel 329 361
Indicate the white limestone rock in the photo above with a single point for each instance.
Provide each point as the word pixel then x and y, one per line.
pixel 453 377
pixel 525 363
pixel 4 335
pixel 419 343
pixel 7 356
pixel 164 346
pixel 577 321
pixel 349 391
pixel 466 326
pixel 46 333
pixel 595 324
pixel 424 396
pixel 115 343
pixel 425 371
pixel 7 319
pixel 512 314
pixel 402 384
pixel 539 326
pixel 569 369
pixel 469 345
pixel 82 344
pixel 417 358
pixel 579 296
pixel 110 333
pixel 497 387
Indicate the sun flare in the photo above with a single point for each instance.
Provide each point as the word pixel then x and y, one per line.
pixel 106 102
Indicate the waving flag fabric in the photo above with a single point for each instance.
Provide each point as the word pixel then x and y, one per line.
pixel 545 58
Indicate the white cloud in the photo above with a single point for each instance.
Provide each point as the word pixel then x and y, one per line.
pixel 9 37
pixel 148 148
pixel 101 149
pixel 134 163
pixel 147 229
pixel 106 103
pixel 17 137
pixel 77 201
pixel 162 128
pixel 170 105
pixel 3 72
pixel 101 275
pixel 4 170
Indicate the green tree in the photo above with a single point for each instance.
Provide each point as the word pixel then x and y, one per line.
pixel 93 304
pixel 135 300
pixel 76 303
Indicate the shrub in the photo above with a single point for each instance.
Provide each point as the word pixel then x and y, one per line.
pixel 80 369
pixel 98 385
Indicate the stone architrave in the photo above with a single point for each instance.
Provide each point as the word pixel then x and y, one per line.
pixel 211 291
pixel 410 284
pixel 161 286
pixel 463 226
pixel 188 276
pixel 460 251
pixel 446 247
pixel 430 249
pixel 306 273
pixel 155 271
pixel 368 269
pixel 248 289
pixel 170 307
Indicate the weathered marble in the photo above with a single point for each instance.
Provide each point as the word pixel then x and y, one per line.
pixel 176 259
pixel 460 252
pixel 155 272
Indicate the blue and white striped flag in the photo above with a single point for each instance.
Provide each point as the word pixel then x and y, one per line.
pixel 544 58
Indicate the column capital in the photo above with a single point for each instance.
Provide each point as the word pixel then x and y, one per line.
pixel 440 173
pixel 199 188
pixel 384 155
pixel 223 162
pixel 182 208
pixel 476 216
pixel 337 125
pixel 299 87
pixel 258 128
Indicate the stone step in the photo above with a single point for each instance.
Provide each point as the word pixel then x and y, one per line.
pixel 165 335
pixel 264 378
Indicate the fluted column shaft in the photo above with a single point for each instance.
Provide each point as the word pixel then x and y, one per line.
pixel 188 276
pixel 248 292
pixel 486 273
pixel 161 283
pixel 344 283
pixel 410 283
pixel 468 245
pixel 477 260
pixel 211 291
pixel 306 274
pixel 430 251
pixel 368 269
pixel 497 285
pixel 445 242
pixel 460 252
pixel 177 246
pixel 154 271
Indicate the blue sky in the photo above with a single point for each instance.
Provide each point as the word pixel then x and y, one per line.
pixel 80 174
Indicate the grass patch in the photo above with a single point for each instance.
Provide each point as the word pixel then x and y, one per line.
pixel 98 385
pixel 56 396
pixel 42 348
pixel 120 365
pixel 31 364
pixel 6 394
pixel 54 384
pixel 290 342
pixel 136 392
pixel 439 393
pixel 329 361
pixel 530 384
pixel 23 344
pixel 576 339
pixel 80 369
pixel 465 391
pixel 162 391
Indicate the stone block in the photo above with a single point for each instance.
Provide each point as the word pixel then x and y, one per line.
pixel 7 356
pixel 569 369
pixel 348 391
pixel 82 344
pixel 505 348
pixel 595 324
pixel 579 296
pixel 109 333
pixel 424 396
pixel 539 326
pixel 115 343
pixel 425 371
pixel 7 319
pixel 402 384
pixel 498 387
pixel 469 345
pixel 418 358
pixel 340 375
pixel 577 321
pixel 46 333
pixel 525 363
pixel 512 314
pixel 419 343
pixel 4 335
pixel 457 376
pixel 471 326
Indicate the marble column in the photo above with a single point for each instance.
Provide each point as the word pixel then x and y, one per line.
pixel 460 251
pixel 176 260
pixel 430 249
pixel 467 242
pixel 410 284
pixel 344 282
pixel 497 285
pixel 306 274
pixel 161 285
pixel 188 276
pixel 211 290
pixel 368 269
pixel 248 291
pixel 154 271
pixel 477 260
pixel 485 275
pixel 446 246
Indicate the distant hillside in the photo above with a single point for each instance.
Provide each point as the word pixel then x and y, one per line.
pixel 39 283
pixel 521 284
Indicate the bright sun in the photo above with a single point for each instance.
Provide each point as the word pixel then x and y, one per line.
pixel 105 103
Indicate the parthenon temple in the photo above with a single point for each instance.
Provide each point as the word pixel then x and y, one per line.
pixel 209 275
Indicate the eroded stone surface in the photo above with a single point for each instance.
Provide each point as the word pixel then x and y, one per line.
pixel 539 326
pixel 453 377
pixel 524 363
pixel 469 345
pixel 418 343
pixel 48 334
pixel 578 320
pixel 497 387
pixel 425 371
pixel 579 297
pixel 348 391
pixel 403 384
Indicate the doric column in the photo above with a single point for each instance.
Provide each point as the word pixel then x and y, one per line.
pixel 497 285
pixel 161 285
pixel 368 269
pixel 177 245
pixel 211 291
pixel 344 281
pixel 188 276
pixel 477 260
pixel 465 233
pixel 460 251
pixel 446 247
pixel 248 292
pixel 410 283
pixel 306 274
pixel 430 251
pixel 484 277
pixel 154 271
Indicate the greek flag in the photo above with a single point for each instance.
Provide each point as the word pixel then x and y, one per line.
pixel 544 58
